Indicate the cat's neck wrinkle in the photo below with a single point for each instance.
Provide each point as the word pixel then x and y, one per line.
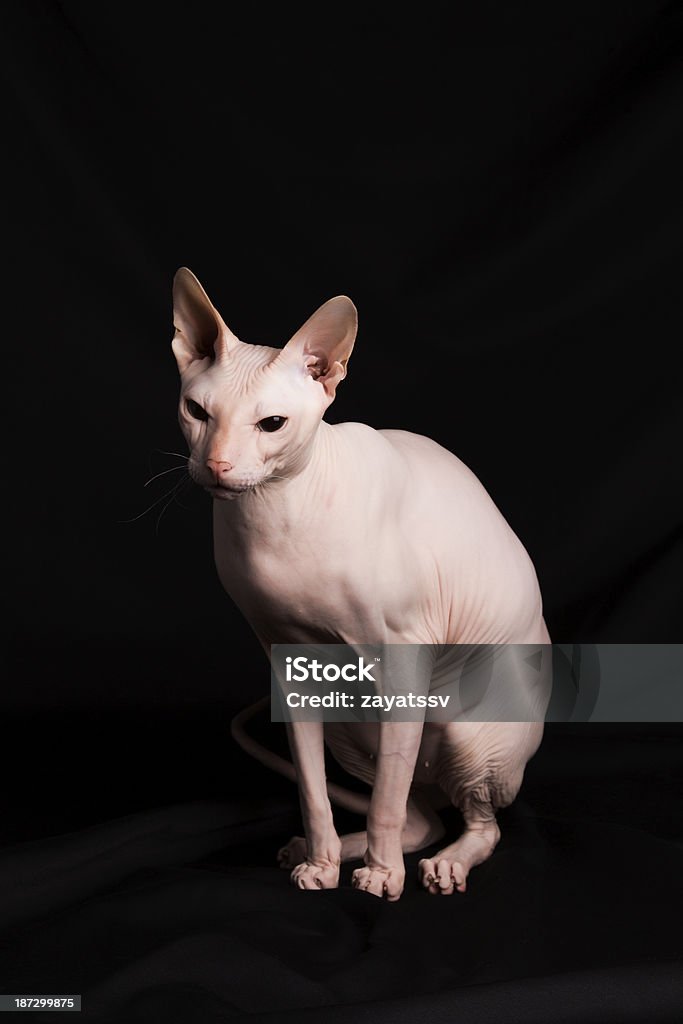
pixel 280 506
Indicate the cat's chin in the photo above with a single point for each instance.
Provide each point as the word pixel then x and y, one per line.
pixel 228 493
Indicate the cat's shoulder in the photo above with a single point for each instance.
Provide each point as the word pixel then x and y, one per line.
pixel 420 447
pixel 383 441
pixel 361 433
pixel 420 455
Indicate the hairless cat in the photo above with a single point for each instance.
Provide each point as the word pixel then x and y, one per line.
pixel 424 558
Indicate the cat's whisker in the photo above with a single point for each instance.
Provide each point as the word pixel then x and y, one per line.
pixel 185 508
pixel 170 501
pixel 173 469
pixel 154 503
pixel 178 454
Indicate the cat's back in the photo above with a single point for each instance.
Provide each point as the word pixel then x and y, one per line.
pixel 416 456
pixel 483 564
pixel 417 477
pixel 437 472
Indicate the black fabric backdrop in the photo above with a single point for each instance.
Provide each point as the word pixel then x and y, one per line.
pixel 497 187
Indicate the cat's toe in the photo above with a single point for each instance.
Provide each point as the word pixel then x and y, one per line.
pixel 315 876
pixel 387 883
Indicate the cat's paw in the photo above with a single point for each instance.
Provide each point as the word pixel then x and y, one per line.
pixel 382 882
pixel 446 872
pixel 310 875
pixel 442 876
pixel 293 853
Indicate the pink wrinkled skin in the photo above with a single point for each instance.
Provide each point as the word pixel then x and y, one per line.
pixel 346 534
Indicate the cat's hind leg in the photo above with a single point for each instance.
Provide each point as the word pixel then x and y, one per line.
pixel 481 766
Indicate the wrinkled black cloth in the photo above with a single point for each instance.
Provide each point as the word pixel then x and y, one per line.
pixel 179 913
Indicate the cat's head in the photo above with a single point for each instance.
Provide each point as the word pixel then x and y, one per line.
pixel 249 413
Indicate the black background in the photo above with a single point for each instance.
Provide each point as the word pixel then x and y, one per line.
pixel 497 187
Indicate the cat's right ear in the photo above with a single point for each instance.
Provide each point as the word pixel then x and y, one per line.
pixel 325 342
pixel 199 328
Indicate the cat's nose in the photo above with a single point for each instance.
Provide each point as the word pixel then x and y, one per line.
pixel 218 468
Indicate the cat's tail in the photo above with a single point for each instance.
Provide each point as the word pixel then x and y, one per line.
pixel 338 795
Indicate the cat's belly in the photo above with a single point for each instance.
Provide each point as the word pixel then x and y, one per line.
pixel 451 756
pixel 355 745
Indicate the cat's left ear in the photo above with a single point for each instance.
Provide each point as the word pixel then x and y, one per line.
pixel 325 342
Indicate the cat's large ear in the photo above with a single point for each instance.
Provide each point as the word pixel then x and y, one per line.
pixel 199 328
pixel 325 342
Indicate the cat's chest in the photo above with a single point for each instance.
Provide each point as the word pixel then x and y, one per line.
pixel 305 590
pixel 289 585
pixel 328 581
pixel 297 602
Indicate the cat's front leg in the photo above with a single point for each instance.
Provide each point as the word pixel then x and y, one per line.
pixel 384 872
pixel 320 869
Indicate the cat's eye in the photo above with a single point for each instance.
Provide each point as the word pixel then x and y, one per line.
pixel 195 410
pixel 271 423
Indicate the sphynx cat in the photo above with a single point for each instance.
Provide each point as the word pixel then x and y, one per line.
pixel 347 534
